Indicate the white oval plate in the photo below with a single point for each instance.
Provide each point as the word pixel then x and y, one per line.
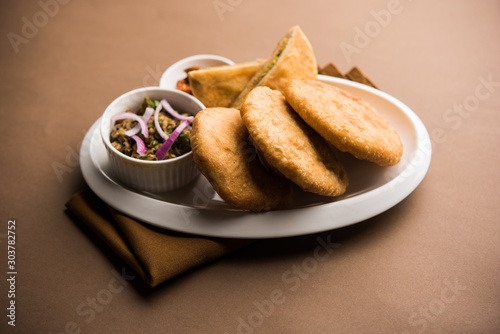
pixel 197 209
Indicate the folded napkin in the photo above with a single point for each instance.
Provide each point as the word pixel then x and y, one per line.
pixel 155 254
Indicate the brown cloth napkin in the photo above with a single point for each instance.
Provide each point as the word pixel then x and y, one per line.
pixel 155 254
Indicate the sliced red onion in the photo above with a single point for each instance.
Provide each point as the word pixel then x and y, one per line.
pixel 174 113
pixel 147 115
pixel 163 150
pixel 141 147
pixel 131 115
pixel 157 124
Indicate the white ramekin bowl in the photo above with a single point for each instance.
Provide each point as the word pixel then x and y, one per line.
pixel 177 72
pixel 143 175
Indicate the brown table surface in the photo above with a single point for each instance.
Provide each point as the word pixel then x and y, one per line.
pixel 430 264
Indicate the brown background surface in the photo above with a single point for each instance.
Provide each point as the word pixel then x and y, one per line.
pixel 390 274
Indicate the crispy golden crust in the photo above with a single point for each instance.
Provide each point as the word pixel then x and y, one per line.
pixel 219 86
pixel 288 144
pixel 346 121
pixel 297 62
pixel 293 58
pixel 221 150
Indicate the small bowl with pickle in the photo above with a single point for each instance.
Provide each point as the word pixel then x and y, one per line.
pixel 147 134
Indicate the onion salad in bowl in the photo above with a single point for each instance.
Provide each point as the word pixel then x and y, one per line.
pixel 154 132
pixel 146 133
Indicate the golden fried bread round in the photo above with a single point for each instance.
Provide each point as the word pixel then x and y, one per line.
pixel 293 58
pixel 289 145
pixel 223 154
pixel 346 121
pixel 218 86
